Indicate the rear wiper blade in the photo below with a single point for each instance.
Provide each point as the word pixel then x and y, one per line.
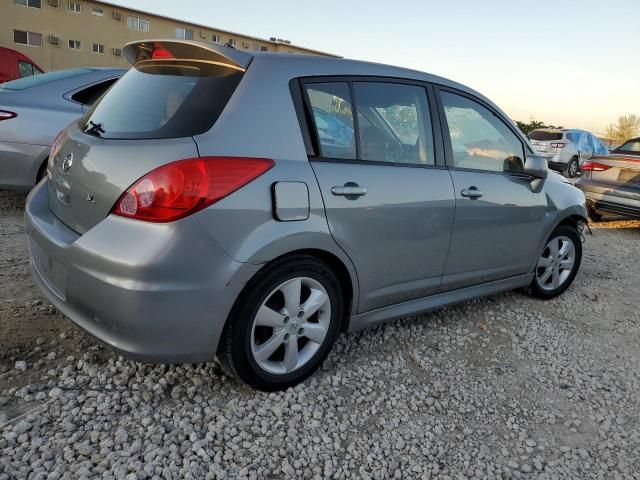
pixel 94 129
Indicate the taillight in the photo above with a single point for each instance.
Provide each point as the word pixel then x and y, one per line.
pixel 182 188
pixel 6 115
pixel 558 145
pixel 590 166
pixel 161 53
pixel 55 146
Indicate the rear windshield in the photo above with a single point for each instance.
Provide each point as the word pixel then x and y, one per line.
pixel 545 136
pixel 163 99
pixel 630 146
pixel 34 81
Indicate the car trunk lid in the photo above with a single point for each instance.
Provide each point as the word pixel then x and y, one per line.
pixel 619 171
pixel 88 174
pixel 176 90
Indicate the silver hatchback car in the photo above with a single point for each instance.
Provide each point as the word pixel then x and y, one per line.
pixel 254 206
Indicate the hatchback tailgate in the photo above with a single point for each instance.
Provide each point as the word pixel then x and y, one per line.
pixel 88 174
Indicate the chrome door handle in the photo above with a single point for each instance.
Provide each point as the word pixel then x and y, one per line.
pixel 349 190
pixel 472 192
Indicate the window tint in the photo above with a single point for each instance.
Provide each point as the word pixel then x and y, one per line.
pixel 26 69
pixel 631 146
pixel 89 95
pixel 333 116
pixel 479 139
pixel 164 100
pixel 394 124
pixel 544 135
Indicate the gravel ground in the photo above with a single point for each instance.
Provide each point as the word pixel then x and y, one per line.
pixel 504 387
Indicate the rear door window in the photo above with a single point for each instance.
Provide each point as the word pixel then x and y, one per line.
pixel 394 123
pixel 479 139
pixel 333 117
pixel 163 99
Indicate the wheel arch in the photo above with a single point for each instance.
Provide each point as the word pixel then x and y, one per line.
pixel 342 268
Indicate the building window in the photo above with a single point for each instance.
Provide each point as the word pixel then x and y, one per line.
pixel 232 42
pixel 27 38
pixel 215 38
pixel 75 7
pixel 98 12
pixel 98 48
pixel 75 44
pixel 184 34
pixel 137 23
pixel 264 49
pixel 29 3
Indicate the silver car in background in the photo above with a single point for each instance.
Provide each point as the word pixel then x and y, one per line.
pixel 566 149
pixel 255 205
pixel 33 110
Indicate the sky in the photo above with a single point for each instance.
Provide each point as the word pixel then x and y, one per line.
pixel 574 63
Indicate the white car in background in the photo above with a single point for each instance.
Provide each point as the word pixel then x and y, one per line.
pixel 566 149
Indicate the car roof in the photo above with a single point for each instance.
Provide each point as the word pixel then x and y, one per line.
pixel 291 65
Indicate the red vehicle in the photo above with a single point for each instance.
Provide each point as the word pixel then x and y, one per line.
pixel 14 65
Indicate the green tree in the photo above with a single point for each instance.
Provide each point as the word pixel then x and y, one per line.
pixel 628 126
pixel 527 128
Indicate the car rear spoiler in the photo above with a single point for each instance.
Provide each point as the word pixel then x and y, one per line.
pixel 163 49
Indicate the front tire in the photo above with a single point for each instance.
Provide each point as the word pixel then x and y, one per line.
pixel 283 325
pixel 558 263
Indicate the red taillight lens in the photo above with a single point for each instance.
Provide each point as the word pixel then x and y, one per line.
pixel 589 166
pixel 181 188
pixel 6 115
pixel 558 145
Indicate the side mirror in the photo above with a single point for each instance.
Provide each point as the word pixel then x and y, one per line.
pixel 536 167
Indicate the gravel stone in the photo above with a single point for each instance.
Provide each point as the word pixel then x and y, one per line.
pixel 505 387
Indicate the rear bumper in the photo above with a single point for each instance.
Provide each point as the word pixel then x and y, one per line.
pixel 19 164
pixel 604 198
pixel 153 292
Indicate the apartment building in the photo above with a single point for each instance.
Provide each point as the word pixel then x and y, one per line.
pixel 59 34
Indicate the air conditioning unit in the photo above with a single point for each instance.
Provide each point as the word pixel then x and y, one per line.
pixel 54 40
pixel 54 3
pixel 117 51
pixel 117 16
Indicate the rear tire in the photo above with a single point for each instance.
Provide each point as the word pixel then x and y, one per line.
pixel 271 348
pixel 558 263
pixel 572 168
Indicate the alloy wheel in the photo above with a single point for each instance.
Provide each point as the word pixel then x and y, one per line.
pixel 290 325
pixel 556 263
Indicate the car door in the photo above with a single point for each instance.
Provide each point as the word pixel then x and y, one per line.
pixel 498 220
pixel 388 197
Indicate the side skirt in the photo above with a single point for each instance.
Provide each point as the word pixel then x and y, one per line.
pixel 422 305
